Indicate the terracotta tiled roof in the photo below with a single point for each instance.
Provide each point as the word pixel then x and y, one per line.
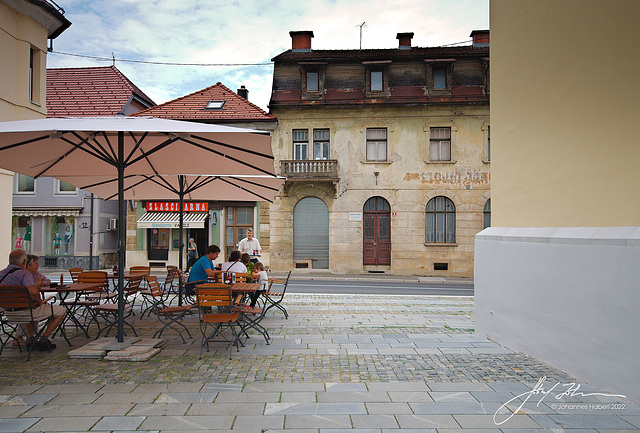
pixel 192 107
pixel 99 91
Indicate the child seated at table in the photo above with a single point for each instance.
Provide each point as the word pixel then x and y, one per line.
pixel 262 279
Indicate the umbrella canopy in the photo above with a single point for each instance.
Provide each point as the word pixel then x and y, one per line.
pixel 191 187
pixel 181 187
pixel 119 146
pixel 59 147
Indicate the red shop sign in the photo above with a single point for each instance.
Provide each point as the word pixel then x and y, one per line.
pixel 170 206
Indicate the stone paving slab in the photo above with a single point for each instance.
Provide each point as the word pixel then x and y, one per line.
pixel 241 409
pixel 64 424
pixel 358 364
pixel 78 410
pixel 110 423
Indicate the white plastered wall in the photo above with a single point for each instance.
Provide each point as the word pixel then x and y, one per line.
pixel 566 296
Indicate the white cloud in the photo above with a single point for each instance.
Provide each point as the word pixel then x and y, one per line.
pixel 244 31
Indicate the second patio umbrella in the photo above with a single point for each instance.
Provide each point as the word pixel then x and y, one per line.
pixel 191 187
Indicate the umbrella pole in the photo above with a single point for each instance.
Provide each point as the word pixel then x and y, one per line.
pixel 181 241
pixel 121 236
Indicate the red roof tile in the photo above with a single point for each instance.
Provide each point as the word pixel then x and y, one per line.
pixel 192 107
pixel 98 91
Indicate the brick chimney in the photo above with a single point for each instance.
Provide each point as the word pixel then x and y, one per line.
pixel 404 40
pixel 243 92
pixel 480 38
pixel 301 41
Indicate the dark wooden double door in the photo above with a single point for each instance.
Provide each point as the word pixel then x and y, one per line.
pixel 377 232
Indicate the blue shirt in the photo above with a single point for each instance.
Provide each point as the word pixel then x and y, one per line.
pixel 198 269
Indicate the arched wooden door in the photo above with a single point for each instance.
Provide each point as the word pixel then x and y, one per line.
pixel 377 232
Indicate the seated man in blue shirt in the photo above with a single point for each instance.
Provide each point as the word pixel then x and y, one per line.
pixel 202 269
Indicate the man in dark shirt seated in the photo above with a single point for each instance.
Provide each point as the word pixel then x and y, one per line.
pixel 202 269
pixel 16 275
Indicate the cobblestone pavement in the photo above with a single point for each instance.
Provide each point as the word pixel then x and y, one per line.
pixel 356 363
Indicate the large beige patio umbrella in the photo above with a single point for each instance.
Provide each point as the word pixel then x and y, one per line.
pixel 191 187
pixel 119 146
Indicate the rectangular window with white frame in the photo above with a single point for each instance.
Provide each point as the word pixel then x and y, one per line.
pixel 65 188
pixel 320 144
pixel 440 144
pixel 300 143
pixel 376 144
pixel 24 184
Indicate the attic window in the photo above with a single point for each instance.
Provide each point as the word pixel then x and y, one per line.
pixel 214 105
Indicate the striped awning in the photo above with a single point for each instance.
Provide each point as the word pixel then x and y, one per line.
pixel 46 212
pixel 171 220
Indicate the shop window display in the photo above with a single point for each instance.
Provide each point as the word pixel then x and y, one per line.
pixel 21 233
pixel 60 236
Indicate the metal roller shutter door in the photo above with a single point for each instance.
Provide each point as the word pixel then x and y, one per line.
pixel 311 232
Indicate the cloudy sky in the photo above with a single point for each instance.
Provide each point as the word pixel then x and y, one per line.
pixel 248 32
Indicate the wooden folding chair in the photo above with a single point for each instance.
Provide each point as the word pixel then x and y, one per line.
pixel 99 277
pixel 145 271
pixel 274 299
pixel 169 316
pixel 16 298
pixel 215 312
pixel 74 274
pixel 109 311
pixel 83 302
pixel 231 277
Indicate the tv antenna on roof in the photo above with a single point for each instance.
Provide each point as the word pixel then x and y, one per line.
pixel 364 24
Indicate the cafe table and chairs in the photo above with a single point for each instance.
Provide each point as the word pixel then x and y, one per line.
pixel 250 316
pixel 72 298
pixel 112 277
pixel 109 311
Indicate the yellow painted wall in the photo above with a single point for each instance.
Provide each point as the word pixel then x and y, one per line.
pixel 18 34
pixel 565 105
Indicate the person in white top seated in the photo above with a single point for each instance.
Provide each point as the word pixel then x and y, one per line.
pixel 234 265
pixel 251 246
pixel 263 280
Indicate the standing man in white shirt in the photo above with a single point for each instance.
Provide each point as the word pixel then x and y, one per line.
pixel 251 246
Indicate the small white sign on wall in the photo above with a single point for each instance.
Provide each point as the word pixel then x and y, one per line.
pixel 355 216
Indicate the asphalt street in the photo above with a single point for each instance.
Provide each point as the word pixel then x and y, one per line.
pixel 351 287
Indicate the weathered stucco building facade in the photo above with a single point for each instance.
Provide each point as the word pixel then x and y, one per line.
pixel 25 27
pixel 386 154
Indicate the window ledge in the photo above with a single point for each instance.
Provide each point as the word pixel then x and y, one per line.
pixel 376 162
pixel 440 244
pixel 428 161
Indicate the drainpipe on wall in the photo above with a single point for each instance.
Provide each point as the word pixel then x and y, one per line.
pixel 91 236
